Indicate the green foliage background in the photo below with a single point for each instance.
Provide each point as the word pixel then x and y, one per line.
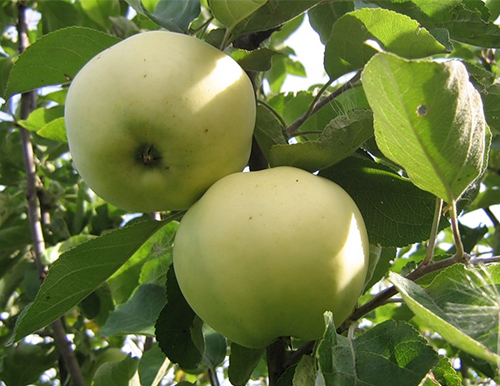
pixel 408 124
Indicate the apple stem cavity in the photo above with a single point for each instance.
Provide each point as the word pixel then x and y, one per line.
pixel 148 156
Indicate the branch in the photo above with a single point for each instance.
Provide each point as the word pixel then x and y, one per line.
pixel 293 129
pixel 34 212
pixel 276 359
pixel 382 297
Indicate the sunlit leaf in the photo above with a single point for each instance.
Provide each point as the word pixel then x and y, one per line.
pixel 466 21
pixel 429 119
pixel 461 305
pixel 53 59
pixel 346 50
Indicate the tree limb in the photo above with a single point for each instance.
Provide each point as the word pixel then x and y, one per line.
pixel 34 211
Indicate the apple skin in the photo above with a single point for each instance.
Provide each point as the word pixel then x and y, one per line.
pixel 156 119
pixel 264 254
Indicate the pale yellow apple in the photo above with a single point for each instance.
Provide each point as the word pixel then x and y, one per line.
pixel 264 254
pixel 156 119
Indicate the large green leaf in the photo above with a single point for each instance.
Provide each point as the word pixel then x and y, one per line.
pixel 346 50
pixel 53 59
pixel 230 12
pixel 395 211
pixel 429 119
pixel 461 305
pixel 80 271
pixel 468 21
pixel 391 353
pixel 340 138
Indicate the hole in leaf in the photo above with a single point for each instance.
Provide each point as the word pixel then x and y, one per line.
pixel 422 110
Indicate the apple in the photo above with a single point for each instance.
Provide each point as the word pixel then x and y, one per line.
pixel 156 119
pixel 264 254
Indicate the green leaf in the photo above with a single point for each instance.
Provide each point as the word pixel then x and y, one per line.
pixel 40 357
pixel 305 372
pixel 491 100
pixel 53 59
pixel 55 130
pixel 15 236
pixel 395 211
pixel 383 264
pixel 101 11
pixel 139 314
pixel 268 130
pixel 273 14
pixel 429 119
pixel 467 21
pixel 158 247
pixel 122 373
pixel 340 138
pixel 230 12
pixel 242 362
pixel 153 366
pixel 256 60
pixel 395 349
pixel 6 65
pixel 173 15
pixel 80 271
pixel 323 16
pixel 445 374
pixel 459 305
pixel 40 117
pixel 347 51
pixel 215 347
pixel 58 15
pixel 176 329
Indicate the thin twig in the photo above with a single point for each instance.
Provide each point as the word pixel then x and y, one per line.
pixel 317 105
pixel 460 253
pixel 212 376
pixel 34 211
pixel 434 231
pixel 492 217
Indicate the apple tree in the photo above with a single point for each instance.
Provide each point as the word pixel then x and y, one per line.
pixel 406 125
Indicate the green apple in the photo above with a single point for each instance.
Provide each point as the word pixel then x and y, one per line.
pixel 156 119
pixel 264 254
